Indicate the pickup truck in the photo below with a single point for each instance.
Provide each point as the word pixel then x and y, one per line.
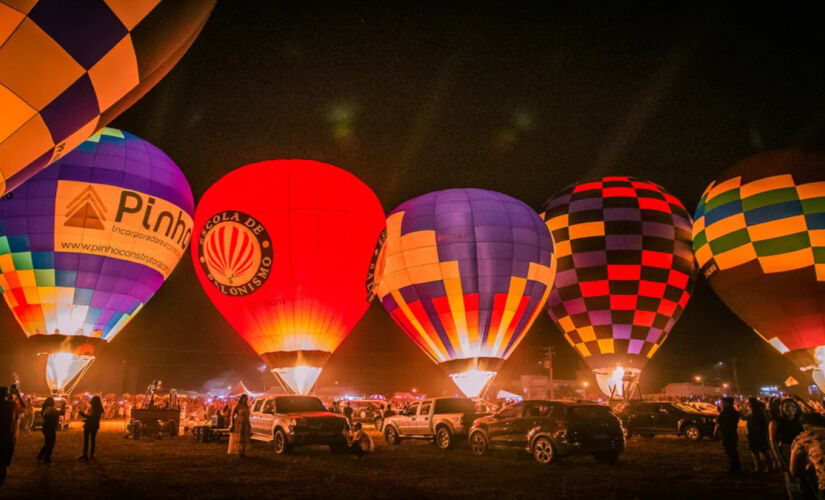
pixel 288 421
pixel 442 420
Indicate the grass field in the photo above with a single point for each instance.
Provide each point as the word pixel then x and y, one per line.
pixel 664 467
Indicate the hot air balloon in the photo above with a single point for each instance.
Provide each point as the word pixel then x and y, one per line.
pixel 625 273
pixel 284 250
pixel 69 68
pixel 85 243
pixel 466 272
pixel 759 239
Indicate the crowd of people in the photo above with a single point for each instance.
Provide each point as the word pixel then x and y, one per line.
pixel 784 435
pixel 12 406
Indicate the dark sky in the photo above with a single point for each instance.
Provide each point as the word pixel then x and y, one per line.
pixel 416 98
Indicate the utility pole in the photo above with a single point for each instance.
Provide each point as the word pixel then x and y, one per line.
pixel 548 363
pixel 735 376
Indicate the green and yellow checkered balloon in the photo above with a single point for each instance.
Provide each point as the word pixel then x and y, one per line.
pixel 759 239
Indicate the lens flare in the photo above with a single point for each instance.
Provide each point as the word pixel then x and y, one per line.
pixel 64 369
pixel 299 379
pixel 472 382
pixel 618 381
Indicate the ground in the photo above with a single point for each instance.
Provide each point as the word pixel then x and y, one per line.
pixel 663 467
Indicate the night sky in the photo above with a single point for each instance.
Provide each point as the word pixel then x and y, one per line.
pixel 416 98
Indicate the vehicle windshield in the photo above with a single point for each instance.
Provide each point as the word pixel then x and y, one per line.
pixel 588 412
pixel 292 404
pixel 454 405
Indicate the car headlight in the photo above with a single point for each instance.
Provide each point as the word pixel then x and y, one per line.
pixel 295 422
pixel 561 436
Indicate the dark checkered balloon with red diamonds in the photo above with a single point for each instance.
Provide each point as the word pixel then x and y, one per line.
pixel 625 269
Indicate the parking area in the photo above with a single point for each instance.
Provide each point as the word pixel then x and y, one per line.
pixel 663 467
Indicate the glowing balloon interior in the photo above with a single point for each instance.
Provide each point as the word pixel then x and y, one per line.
pixel 284 248
pixel 618 381
pixel 625 271
pixel 299 379
pixel 466 273
pixel 85 243
pixel 69 68
pixel 64 370
pixel 472 382
pixel 759 238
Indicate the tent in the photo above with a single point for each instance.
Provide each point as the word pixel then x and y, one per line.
pixel 239 389
pixel 508 395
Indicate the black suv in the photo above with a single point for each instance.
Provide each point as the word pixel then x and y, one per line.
pixel 551 429
pixel 650 418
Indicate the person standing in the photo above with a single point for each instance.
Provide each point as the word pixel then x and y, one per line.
pixel 348 413
pixel 808 455
pixel 727 424
pixel 50 421
pixel 240 429
pixel 27 418
pixel 225 416
pixel 11 405
pixel 783 429
pixel 90 427
pixel 757 424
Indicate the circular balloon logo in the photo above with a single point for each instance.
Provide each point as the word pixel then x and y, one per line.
pixel 235 252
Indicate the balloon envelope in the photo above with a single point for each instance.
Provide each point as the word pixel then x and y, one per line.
pixel 759 238
pixel 69 68
pixel 625 273
pixel 85 243
pixel 466 272
pixel 284 249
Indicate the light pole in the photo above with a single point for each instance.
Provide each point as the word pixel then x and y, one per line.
pixel 735 376
pixel 548 363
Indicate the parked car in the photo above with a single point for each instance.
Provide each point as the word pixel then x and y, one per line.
pixel 442 420
pixel 367 411
pixel 650 418
pixel 288 421
pixel 550 429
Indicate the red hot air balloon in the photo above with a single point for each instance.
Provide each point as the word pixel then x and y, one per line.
pixel 284 251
